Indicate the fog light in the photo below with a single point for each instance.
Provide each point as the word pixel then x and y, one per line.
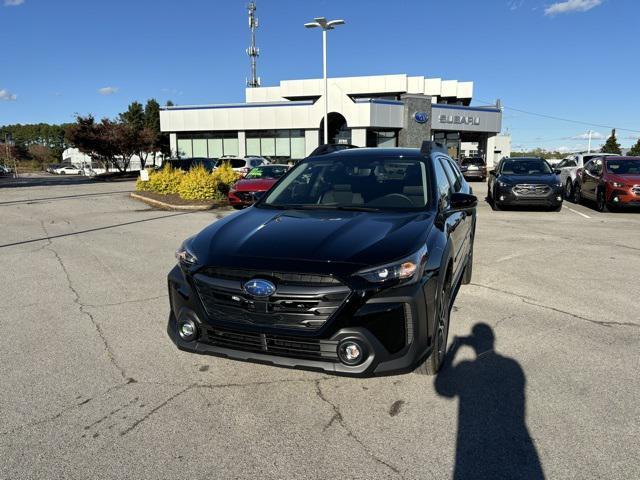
pixel 616 199
pixel 502 198
pixel 350 352
pixel 187 330
pixel 559 198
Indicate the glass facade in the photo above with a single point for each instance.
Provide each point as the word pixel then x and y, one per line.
pixel 382 138
pixel 207 145
pixel 276 143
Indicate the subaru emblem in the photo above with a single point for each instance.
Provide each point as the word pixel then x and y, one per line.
pixel 259 288
pixel 421 117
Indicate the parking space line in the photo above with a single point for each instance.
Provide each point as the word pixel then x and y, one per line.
pixel 576 211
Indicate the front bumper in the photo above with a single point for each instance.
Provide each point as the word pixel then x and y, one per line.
pixel 624 197
pixel 474 175
pixel 507 196
pixel 237 198
pixel 316 350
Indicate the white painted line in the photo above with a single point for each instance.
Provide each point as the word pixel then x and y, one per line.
pixel 579 213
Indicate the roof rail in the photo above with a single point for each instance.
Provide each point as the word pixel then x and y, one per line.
pixel 330 148
pixel 429 146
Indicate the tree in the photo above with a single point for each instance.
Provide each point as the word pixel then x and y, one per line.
pixel 611 145
pixel 635 150
pixel 95 139
pixel 152 123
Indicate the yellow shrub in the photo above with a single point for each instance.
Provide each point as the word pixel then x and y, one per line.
pixel 165 181
pixel 197 184
pixel 225 177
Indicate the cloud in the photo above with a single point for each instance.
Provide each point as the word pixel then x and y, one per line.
pixel 585 136
pixel 7 96
pixel 514 4
pixel 570 6
pixel 108 90
pixel 13 3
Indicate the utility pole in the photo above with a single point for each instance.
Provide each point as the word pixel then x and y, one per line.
pixel 253 51
pixel 589 149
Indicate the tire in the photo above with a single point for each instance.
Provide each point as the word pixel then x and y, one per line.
pixel 433 362
pixel 577 194
pixel 568 190
pixel 601 202
pixel 557 209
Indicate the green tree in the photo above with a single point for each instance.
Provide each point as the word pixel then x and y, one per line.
pixel 635 150
pixel 134 116
pixel 152 123
pixel 611 145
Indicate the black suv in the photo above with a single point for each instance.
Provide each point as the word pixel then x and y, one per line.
pixel 349 264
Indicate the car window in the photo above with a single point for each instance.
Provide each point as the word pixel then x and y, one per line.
pixel 267 171
pixel 375 182
pixel 442 181
pixel 456 170
pixel 571 163
pixel 234 162
pixel 526 167
pixel 453 179
pixel 473 161
pixel 624 167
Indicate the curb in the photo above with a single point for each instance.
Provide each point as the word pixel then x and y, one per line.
pixel 169 206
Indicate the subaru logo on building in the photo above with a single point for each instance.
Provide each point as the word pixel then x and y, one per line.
pixel 259 288
pixel 421 117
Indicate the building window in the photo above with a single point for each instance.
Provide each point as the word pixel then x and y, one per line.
pixel 207 145
pixel 382 138
pixel 276 143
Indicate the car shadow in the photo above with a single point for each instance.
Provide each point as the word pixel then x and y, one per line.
pixel 493 441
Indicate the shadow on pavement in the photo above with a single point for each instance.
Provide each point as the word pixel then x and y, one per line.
pixel 493 441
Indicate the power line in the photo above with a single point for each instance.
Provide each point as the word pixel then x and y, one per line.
pixel 553 117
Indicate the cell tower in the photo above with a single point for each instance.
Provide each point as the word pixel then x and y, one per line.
pixel 253 51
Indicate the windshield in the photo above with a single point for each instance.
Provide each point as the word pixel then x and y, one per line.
pixel 270 171
pixel 234 162
pixel 525 167
pixel 353 183
pixel 624 167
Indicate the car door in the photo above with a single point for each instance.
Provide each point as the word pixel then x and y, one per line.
pixel 493 175
pixel 591 178
pixel 454 222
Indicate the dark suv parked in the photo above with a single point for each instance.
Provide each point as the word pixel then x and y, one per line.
pixel 349 264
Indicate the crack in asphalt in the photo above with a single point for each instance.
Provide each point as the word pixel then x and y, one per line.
pixel 137 300
pixel 535 303
pixel 338 418
pixel 82 307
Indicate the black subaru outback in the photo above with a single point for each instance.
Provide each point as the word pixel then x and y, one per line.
pixel 349 264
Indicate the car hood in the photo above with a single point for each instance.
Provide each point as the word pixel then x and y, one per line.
pixel 283 238
pixel 626 179
pixel 254 185
pixel 548 179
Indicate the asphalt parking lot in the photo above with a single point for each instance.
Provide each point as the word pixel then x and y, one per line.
pixel 91 386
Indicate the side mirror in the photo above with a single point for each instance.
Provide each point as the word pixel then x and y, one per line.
pixel 557 171
pixel 461 202
pixel 257 196
pixel 492 172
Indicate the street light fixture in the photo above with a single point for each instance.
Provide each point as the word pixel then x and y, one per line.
pixel 321 22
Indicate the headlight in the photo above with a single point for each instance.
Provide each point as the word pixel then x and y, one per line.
pixel 618 184
pixel 503 184
pixel 406 270
pixel 184 254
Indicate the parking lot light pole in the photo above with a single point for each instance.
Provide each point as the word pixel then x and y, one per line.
pixel 321 22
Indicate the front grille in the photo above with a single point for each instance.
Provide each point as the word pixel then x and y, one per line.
pixel 285 346
pixel 531 190
pixel 245 196
pixel 300 301
pixel 636 190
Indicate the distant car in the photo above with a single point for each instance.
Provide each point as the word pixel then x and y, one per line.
pixel 4 170
pixel 610 182
pixel 242 165
pixel 570 167
pixel 257 181
pixel 476 168
pixel 68 170
pixel 524 181
pixel 52 168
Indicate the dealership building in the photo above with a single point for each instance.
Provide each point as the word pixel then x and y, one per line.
pixel 287 121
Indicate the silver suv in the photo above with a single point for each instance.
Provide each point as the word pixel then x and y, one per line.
pixel 569 170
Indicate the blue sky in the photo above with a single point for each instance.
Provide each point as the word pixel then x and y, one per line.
pixel 573 59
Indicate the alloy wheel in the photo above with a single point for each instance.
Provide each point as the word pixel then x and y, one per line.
pixel 568 190
pixel 443 321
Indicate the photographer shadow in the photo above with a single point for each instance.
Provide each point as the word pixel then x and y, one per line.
pixel 493 441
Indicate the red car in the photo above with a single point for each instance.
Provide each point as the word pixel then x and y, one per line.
pixel 610 182
pixel 258 180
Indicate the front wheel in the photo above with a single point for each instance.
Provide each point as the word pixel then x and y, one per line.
pixel 601 202
pixel 577 194
pixel 433 362
pixel 568 190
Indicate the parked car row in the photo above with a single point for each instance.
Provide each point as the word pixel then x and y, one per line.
pixel 240 165
pixel 609 182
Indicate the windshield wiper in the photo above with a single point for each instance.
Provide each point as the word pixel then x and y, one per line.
pixel 357 208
